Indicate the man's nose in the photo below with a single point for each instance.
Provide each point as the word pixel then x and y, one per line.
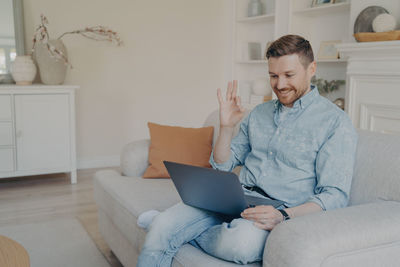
pixel 281 84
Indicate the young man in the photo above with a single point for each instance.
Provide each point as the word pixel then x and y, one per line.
pixel 299 149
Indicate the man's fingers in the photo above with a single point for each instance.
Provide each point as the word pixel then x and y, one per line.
pixel 234 93
pixel 219 94
pixel 229 92
pixel 239 104
pixel 262 226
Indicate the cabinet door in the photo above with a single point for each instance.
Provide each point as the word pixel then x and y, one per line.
pixel 43 131
pixel 5 107
pixel 6 160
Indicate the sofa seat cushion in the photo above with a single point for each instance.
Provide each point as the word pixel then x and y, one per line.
pixel 137 194
pixel 124 198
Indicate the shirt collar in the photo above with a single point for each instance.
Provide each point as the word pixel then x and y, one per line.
pixel 303 101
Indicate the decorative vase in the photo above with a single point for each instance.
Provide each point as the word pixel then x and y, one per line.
pixel 52 70
pixel 255 8
pixel 23 70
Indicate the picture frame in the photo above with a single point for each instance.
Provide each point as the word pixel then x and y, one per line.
pixel 327 50
pixel 316 3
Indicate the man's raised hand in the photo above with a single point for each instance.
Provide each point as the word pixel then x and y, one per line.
pixel 230 110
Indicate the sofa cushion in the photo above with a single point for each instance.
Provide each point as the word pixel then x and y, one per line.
pixel 136 194
pixel 124 198
pixel 377 168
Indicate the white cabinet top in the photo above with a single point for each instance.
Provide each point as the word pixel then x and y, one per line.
pixel 36 88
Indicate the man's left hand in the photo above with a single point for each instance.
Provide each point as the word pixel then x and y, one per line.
pixel 264 217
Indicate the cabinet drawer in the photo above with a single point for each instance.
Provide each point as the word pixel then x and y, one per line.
pixel 5 107
pixel 6 134
pixel 6 160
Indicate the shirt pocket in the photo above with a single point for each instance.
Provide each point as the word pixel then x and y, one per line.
pixel 298 151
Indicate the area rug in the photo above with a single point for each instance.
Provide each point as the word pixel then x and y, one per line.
pixel 90 222
pixel 61 243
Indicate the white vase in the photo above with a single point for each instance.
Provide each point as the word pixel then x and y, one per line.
pixel 255 8
pixel 52 70
pixel 23 70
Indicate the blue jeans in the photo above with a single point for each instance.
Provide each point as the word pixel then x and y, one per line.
pixel 238 241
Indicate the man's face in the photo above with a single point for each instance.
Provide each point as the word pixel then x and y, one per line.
pixel 289 79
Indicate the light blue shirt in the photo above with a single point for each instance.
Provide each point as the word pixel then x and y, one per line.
pixel 307 157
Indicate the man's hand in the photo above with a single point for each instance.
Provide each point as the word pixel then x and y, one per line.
pixel 264 217
pixel 230 111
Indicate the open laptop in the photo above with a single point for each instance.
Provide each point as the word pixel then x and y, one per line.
pixel 213 190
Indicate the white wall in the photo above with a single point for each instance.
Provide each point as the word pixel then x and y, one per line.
pixel 173 58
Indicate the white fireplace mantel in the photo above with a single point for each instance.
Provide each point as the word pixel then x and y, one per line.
pixel 373 84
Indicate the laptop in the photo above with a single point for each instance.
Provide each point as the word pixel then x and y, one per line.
pixel 214 190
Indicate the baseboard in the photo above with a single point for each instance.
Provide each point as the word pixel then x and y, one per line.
pixel 100 162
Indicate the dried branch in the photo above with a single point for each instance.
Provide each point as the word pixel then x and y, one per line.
pixel 98 33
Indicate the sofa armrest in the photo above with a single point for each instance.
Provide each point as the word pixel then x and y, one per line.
pixel 363 235
pixel 134 158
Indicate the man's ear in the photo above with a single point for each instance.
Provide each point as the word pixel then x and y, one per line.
pixel 312 68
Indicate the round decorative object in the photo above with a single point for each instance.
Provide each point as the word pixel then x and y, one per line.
pixel 13 253
pixel 384 23
pixel 364 20
pixel 339 102
pixel 52 70
pixel 23 70
pixel 261 87
pixel 255 8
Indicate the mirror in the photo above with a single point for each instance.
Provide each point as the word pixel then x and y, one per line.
pixel 11 36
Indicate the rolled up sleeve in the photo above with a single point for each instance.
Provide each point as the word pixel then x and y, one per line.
pixel 335 165
pixel 240 147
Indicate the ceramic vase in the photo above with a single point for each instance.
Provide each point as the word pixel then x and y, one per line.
pixel 52 70
pixel 255 8
pixel 23 70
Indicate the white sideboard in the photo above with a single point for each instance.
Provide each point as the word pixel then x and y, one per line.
pixel 373 85
pixel 37 130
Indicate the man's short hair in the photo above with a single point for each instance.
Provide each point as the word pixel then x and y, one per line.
pixel 292 44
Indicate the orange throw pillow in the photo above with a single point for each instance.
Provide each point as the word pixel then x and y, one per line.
pixel 191 146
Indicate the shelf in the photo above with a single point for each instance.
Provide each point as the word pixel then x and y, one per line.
pixel 256 19
pixel 323 10
pixel 340 60
pixel 251 62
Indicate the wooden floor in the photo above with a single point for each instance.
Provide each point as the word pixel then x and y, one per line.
pixel 48 197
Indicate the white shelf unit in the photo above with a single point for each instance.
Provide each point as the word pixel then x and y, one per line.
pixel 256 19
pixel 327 22
pixel 260 29
pixel 323 9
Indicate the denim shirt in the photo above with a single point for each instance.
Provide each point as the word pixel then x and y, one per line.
pixel 308 157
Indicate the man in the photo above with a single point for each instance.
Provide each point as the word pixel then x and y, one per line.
pixel 299 149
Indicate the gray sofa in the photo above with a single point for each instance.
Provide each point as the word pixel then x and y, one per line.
pixel 367 233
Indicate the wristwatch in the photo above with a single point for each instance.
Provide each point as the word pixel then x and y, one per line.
pixel 285 215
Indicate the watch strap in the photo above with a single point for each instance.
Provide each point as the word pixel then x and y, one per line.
pixel 285 215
